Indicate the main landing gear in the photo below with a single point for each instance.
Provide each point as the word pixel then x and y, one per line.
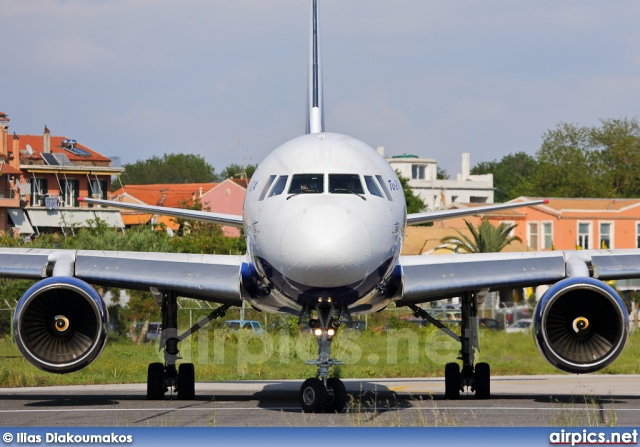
pixel 162 376
pixel 475 377
pixel 323 393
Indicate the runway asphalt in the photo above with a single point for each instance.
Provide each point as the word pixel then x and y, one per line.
pixel 553 400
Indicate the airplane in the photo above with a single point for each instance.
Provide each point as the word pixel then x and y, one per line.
pixel 324 219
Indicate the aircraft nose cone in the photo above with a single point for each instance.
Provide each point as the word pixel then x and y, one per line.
pixel 326 246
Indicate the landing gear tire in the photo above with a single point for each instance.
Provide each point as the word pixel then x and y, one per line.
pixel 483 381
pixel 155 381
pixel 313 396
pixel 336 396
pixel 186 382
pixel 452 381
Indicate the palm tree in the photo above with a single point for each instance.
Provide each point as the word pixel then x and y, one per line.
pixel 484 239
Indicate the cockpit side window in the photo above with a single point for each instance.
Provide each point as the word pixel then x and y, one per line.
pixel 307 184
pixel 384 187
pixel 373 188
pixel 267 186
pixel 345 184
pixel 280 184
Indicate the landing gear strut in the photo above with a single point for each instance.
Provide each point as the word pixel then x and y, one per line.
pixel 162 376
pixel 476 378
pixel 323 393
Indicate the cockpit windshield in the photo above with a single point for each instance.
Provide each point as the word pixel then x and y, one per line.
pixel 307 184
pixel 345 184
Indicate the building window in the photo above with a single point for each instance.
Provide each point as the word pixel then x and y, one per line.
pixel 69 192
pixel 637 235
pixel 508 223
pixel 547 235
pixel 476 199
pixel 605 235
pixel 533 235
pixel 584 231
pixel 39 190
pixel 417 172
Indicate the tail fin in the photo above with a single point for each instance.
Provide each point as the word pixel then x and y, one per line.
pixel 315 99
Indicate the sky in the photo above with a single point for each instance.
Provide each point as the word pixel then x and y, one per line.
pixel 227 79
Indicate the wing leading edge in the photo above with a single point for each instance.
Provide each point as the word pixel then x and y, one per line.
pixel 209 277
pixel 433 216
pixel 202 216
pixel 429 278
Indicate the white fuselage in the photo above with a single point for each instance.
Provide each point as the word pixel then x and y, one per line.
pixel 340 239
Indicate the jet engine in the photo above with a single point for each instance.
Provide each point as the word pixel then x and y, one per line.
pixel 61 324
pixel 581 325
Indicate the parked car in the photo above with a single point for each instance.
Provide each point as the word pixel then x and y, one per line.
pixel 155 327
pixel 523 325
pixel 490 323
pixel 251 325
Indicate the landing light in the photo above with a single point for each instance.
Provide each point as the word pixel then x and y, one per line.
pixel 331 332
pixel 318 332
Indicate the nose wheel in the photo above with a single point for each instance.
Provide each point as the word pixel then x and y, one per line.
pixel 323 393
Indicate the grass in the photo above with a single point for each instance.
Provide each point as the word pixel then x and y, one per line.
pixel 219 356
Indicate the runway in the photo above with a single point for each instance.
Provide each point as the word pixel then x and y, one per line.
pixel 552 400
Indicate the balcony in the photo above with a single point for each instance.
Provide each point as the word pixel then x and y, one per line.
pixel 9 200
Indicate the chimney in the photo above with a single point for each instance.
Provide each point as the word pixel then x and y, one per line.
pixel 4 134
pixel 201 191
pixel 47 140
pixel 16 152
pixel 381 150
pixel 466 166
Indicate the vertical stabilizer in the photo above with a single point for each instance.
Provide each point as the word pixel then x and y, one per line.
pixel 315 99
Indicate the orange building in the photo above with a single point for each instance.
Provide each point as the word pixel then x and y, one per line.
pixel 567 224
pixel 41 179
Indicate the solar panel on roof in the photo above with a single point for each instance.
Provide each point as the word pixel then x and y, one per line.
pixel 63 160
pixel 77 151
pixel 49 159
pixel 81 152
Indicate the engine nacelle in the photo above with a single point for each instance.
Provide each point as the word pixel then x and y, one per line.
pixel 61 324
pixel 581 325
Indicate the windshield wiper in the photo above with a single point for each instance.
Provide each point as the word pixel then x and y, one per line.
pixel 302 191
pixel 350 192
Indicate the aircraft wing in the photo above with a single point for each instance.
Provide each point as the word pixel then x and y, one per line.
pixel 433 216
pixel 202 216
pixel 209 277
pixel 432 277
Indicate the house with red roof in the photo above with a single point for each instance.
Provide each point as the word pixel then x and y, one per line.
pixel 568 224
pixel 41 179
pixel 226 197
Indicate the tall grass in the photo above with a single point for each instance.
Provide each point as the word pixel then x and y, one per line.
pixel 220 355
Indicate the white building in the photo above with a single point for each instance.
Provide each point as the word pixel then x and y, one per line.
pixel 435 193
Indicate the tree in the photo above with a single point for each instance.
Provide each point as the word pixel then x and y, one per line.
pixel 171 168
pixel 486 238
pixel 237 171
pixel 596 162
pixel 414 203
pixel 441 173
pixel 508 174
pixel 617 143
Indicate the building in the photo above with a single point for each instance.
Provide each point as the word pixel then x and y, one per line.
pixel 226 197
pixel 43 176
pixel 567 224
pixel 438 193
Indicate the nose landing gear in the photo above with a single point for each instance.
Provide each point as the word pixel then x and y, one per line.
pixel 323 393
